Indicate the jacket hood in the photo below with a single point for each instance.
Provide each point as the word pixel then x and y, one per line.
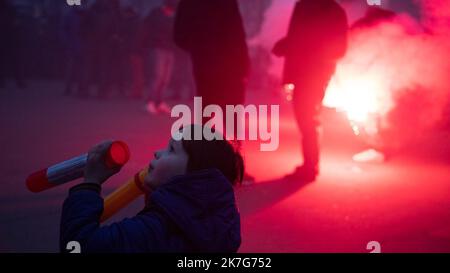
pixel 202 205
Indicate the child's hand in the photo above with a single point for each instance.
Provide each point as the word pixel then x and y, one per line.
pixel 96 170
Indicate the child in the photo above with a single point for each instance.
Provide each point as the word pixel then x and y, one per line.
pixel 191 207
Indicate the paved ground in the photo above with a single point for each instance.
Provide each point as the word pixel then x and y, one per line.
pixel 404 204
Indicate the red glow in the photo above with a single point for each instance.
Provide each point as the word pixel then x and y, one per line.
pixel 118 154
pixel 289 91
pixel 38 181
pixel 386 67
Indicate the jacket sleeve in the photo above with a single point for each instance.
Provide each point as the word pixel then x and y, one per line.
pixel 334 41
pixel 80 222
pixel 288 43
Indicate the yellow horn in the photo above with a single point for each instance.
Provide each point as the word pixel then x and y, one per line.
pixel 124 195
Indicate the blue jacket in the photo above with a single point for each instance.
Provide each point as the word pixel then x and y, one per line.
pixel 190 213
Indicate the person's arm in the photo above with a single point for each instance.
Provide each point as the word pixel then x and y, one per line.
pixel 283 46
pixel 80 220
pixel 341 35
pixel 280 48
pixel 333 42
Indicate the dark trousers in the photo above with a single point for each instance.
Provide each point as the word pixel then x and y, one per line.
pixel 222 89
pixel 164 60
pixel 75 72
pixel 306 111
pixel 12 64
pixel 112 71
pixel 307 101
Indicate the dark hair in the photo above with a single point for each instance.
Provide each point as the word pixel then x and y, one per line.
pixel 219 154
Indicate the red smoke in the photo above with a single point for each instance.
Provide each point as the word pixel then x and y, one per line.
pixel 395 78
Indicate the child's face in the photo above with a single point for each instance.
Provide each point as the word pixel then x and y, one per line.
pixel 166 164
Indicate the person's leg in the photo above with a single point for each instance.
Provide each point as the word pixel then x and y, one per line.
pixel 69 78
pixel 168 64
pixel 306 109
pixel 163 63
pixel 205 87
pixel 18 66
pixel 306 112
pixel 307 102
pixel 94 70
pixel 106 72
pixel 232 92
pixel 74 71
pixel 85 73
pixel 120 68
pixel 180 72
pixel 137 75
pixel 158 77
pixel 169 60
pixel 3 66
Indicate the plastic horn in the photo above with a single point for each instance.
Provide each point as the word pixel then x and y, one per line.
pixel 66 171
pixel 124 195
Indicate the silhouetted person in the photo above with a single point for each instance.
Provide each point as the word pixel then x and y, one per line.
pixel 112 50
pixel 158 26
pixel 133 51
pixel 6 32
pixel 12 46
pixel 373 16
pixel 74 45
pixel 212 33
pixel 105 46
pixel 316 39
